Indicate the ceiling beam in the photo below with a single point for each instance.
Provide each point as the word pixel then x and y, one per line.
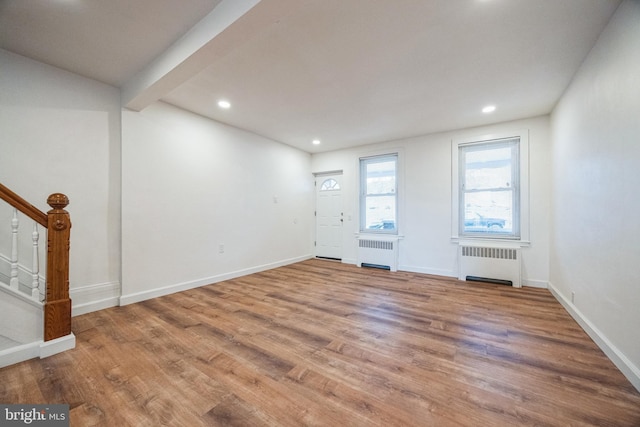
pixel 230 23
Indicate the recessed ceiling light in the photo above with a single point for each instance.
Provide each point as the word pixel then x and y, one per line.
pixel 316 142
pixel 489 109
pixel 224 104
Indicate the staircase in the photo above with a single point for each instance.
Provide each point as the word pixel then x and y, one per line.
pixel 35 314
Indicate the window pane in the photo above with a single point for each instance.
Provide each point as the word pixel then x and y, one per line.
pixel 380 213
pixel 329 185
pixel 488 212
pixel 489 191
pixel 381 177
pixel 378 198
pixel 486 169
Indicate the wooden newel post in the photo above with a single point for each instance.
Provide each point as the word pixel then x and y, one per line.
pixel 57 308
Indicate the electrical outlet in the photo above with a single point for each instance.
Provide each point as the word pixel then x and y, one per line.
pixel 221 249
pixel 573 297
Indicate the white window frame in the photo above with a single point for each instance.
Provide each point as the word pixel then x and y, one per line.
pixel 362 161
pixel 523 182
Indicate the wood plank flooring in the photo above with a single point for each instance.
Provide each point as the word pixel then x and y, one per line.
pixel 320 343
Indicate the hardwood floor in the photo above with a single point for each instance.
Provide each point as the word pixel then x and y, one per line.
pixel 320 343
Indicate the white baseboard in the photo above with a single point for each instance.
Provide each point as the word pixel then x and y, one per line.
pixel 86 299
pixel 542 284
pixel 414 269
pixel 20 353
pixel 179 287
pixel 431 271
pixel 454 274
pixel 49 348
pixel 352 261
pixel 618 358
pixel 40 349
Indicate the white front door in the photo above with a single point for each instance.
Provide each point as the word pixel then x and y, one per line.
pixel 329 216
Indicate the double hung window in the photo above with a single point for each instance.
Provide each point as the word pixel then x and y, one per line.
pixel 491 187
pixel 378 194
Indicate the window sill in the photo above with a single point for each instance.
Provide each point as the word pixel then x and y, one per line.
pixel 494 243
pixel 380 236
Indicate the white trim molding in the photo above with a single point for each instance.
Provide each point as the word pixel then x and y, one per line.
pixel 352 261
pixel 86 299
pixel 179 287
pixel 618 358
pixel 40 349
pixel 523 135
pixel 532 283
pixel 430 271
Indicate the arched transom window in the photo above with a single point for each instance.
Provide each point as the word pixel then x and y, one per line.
pixel 329 184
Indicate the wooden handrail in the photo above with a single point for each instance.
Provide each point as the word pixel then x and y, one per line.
pixel 57 306
pixel 23 206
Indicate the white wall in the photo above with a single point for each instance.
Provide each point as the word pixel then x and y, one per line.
pixel 596 148
pixel 189 185
pixel 425 198
pixel 61 133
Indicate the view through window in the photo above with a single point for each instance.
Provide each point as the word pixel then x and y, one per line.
pixel 378 202
pixel 489 189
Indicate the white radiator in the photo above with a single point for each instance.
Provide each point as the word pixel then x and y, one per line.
pixel 378 252
pixel 489 263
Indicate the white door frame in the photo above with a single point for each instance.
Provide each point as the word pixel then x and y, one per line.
pixel 329 245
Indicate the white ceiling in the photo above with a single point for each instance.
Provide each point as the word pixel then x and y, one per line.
pixel 348 72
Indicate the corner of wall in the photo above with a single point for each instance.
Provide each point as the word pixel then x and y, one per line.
pixel 86 299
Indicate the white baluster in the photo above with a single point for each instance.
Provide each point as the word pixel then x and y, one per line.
pixel 14 251
pixel 35 271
